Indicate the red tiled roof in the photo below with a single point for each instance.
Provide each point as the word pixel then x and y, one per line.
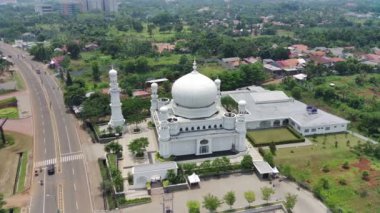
pixel 335 60
pixel 289 63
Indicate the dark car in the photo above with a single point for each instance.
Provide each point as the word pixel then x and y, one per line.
pixel 51 169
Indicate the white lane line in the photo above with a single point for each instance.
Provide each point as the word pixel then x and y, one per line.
pixel 76 203
pixel 43 131
pixel 75 187
pixel 44 140
pixel 68 138
pixel 73 171
pixel 43 123
pixel 45 150
pixel 44 200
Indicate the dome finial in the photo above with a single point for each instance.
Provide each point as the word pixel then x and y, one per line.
pixel 194 66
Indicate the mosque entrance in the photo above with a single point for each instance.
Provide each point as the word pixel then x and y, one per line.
pixel 204 147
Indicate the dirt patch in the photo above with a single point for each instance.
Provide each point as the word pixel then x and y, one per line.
pixel 9 158
pixel 363 165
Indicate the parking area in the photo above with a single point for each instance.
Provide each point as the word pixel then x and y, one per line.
pixel 239 183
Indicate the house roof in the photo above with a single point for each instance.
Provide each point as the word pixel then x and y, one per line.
pixel 335 60
pixel 300 47
pixel 140 93
pixel 263 167
pixel 289 63
pixel 164 46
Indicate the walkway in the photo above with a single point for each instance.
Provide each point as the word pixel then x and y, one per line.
pixel 362 137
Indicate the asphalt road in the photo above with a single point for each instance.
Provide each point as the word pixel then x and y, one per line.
pixel 56 140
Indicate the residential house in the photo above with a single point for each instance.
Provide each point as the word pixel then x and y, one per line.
pixel 251 60
pixel 233 62
pixel 291 66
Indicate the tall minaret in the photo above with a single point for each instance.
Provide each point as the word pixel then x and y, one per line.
pixel 240 126
pixel 117 118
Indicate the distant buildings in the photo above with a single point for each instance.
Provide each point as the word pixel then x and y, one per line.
pixel 43 9
pixel 108 6
pixel 69 8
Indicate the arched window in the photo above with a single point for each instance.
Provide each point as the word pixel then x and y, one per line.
pixel 220 125
pixel 187 129
pixel 204 127
pixel 198 128
pixel 204 142
pixel 180 129
pixel 215 126
pixel 192 128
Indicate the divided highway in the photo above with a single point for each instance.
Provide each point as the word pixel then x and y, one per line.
pixel 56 141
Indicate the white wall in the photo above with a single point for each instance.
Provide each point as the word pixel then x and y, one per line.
pixel 323 129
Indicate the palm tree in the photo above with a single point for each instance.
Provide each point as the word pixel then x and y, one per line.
pixel 211 202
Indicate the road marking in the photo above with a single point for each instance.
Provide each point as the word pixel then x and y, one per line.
pixel 75 187
pixel 68 138
pixel 44 200
pixel 45 150
pixel 60 198
pixel 76 203
pixel 73 171
pixel 64 159
pixel 44 140
pixel 43 124
pixel 71 153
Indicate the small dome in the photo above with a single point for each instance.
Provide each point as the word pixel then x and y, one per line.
pixel 154 86
pixel 242 102
pixel 112 72
pixel 217 81
pixel 194 90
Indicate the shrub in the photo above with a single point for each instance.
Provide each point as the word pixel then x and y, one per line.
pixel 346 165
pixel 325 168
pixel 365 175
pixel 343 182
pixel 193 206
pixel 246 163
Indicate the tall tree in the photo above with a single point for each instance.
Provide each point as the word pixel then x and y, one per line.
pixel 249 197
pixel 266 193
pixel 74 49
pixel 211 202
pixel 95 71
pixel 230 198
pixel 290 201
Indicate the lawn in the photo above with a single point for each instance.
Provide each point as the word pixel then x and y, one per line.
pixel 345 188
pixel 9 112
pixel 281 135
pixel 22 172
pixel 285 33
pixel 9 157
pixel 111 202
pixel 211 69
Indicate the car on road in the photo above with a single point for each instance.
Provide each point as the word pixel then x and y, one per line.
pixel 51 169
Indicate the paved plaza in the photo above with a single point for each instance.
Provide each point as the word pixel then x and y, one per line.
pixel 239 183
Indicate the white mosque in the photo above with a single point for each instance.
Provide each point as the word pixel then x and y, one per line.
pixel 194 122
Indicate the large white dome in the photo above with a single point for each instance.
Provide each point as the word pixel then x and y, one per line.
pixel 194 90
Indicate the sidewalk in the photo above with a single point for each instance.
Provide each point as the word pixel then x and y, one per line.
pixel 362 137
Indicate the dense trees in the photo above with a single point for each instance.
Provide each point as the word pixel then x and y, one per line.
pixel 138 146
pixel 41 53
pixel 95 107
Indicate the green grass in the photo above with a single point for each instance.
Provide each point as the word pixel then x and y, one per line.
pixel 305 165
pixel 22 172
pixel 106 177
pixel 9 112
pixel 7 101
pixel 211 69
pixel 285 33
pixel 19 81
pixel 112 161
pixel 267 136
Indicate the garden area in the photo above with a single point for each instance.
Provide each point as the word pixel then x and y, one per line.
pixel 283 135
pixel 8 108
pixel 342 170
